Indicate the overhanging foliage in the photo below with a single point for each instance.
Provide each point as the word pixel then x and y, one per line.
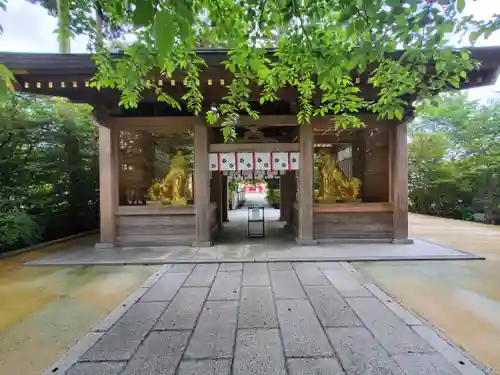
pixel 325 49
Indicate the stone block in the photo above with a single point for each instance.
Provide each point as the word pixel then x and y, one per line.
pixel 346 283
pixel 309 274
pixel 226 286
pixel 181 268
pixel 331 309
pixel 286 285
pixel 302 333
pixel 452 354
pixel 255 274
pixel 214 334
pixel 395 336
pixel 123 338
pixel 257 308
pixel 183 310
pixel 259 352
pixel 395 307
pixel 203 275
pixel 425 364
pixel 96 368
pixel 314 366
pixel 205 367
pixel 229 267
pixel 329 265
pixel 360 353
pixel 165 288
pixel 159 354
pixel 279 266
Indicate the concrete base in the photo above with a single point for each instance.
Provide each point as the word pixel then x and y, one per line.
pixel 359 241
pixel 302 242
pixel 402 241
pixel 105 245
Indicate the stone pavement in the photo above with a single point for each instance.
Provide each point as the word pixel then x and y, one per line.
pixel 263 319
pixel 460 298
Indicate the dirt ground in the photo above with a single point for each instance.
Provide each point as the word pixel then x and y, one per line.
pixel 45 310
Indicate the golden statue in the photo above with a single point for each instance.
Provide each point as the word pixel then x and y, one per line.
pixel 173 189
pixel 333 184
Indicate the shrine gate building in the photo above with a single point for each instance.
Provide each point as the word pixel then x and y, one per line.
pixel 138 146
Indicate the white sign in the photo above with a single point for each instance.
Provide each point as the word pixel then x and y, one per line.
pixel 227 161
pixel 245 161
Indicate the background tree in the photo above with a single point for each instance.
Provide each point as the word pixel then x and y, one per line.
pixel 454 157
pixel 48 170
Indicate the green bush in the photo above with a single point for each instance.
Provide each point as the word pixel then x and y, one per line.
pixel 48 170
pixel 273 197
pixel 17 227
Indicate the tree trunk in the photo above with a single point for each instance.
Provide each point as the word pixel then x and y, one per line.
pixel 64 34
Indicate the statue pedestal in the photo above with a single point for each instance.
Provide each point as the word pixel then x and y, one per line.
pixel 155 224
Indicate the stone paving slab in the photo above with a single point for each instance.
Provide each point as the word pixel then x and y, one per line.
pixel 302 333
pixel 286 285
pixel 125 336
pixel 226 286
pixel 255 274
pixel 360 353
pixel 184 309
pixel 309 274
pixel 96 368
pixel 160 353
pixel 228 267
pixel 314 366
pixel 203 275
pixel 206 321
pixel 165 288
pixel 259 352
pixel 394 335
pixel 257 308
pixel 206 367
pixel 213 336
pixel 424 363
pixel 331 309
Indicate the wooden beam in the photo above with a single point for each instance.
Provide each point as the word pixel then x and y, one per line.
pixel 201 185
pixel 254 147
pixel 109 163
pixel 306 188
pixel 353 207
pixel 399 181
pixel 165 124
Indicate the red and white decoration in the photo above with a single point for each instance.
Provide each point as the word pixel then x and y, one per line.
pixel 248 162
pixel 262 161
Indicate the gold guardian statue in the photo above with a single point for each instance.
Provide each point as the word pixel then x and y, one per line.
pixel 334 186
pixel 173 189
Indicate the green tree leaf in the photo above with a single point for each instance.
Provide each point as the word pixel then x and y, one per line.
pixel 164 29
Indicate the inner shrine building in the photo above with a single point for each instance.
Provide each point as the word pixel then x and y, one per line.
pixel 165 175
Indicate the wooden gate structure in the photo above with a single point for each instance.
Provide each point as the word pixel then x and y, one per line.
pixel 135 147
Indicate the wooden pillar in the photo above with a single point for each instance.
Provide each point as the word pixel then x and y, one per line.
pixel 288 193
pixel 225 203
pixel 109 164
pixel 201 185
pixel 399 183
pixel 283 202
pixel 306 186
pixel 216 195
